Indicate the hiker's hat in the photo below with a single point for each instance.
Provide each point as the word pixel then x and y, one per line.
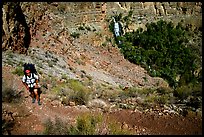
pixel 27 71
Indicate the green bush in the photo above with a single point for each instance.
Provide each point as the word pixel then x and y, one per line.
pixel 75 35
pixel 163 50
pixel 79 97
pixel 55 128
pixel 86 124
pixel 80 94
pixel 18 71
pixel 192 91
pixel 9 94
pixel 81 28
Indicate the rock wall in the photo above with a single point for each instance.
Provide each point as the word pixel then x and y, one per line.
pixel 84 12
pixel 15 31
pixel 21 21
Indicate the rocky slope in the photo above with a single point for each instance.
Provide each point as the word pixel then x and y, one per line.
pixel 45 32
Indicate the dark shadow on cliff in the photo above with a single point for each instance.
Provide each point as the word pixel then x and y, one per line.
pixel 21 19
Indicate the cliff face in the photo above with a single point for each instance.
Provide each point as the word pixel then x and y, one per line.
pixel 15 31
pixel 22 20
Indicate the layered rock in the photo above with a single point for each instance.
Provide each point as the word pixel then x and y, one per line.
pixel 15 32
pixel 22 20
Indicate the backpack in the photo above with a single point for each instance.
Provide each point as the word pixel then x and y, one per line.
pixel 31 67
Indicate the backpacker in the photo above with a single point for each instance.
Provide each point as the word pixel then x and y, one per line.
pixel 31 67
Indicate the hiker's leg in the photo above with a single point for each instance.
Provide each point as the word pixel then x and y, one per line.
pixel 37 96
pixel 32 95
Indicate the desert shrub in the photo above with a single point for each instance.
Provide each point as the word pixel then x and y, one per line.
pixel 72 90
pixel 115 129
pixel 182 92
pixel 61 8
pixel 162 99
pixel 77 93
pixel 9 93
pixel 75 35
pixel 79 97
pixel 50 63
pixel 163 90
pixel 81 28
pixel 18 71
pixel 10 54
pixel 7 126
pixel 86 125
pixel 55 128
pixel 64 76
pixel 94 125
pixel 192 93
pixel 88 28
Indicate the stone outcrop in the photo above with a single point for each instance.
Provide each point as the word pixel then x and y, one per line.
pixel 15 32
pixel 22 20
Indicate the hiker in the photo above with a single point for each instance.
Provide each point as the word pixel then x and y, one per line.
pixel 117 29
pixel 30 80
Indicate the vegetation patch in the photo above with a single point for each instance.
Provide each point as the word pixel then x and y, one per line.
pixel 86 124
pixel 172 52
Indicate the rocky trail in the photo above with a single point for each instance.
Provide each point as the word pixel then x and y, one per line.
pixel 30 118
pixel 141 123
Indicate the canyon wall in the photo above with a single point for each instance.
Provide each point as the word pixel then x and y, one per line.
pixel 21 20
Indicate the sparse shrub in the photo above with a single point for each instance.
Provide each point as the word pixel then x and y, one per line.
pixel 48 127
pixel 9 93
pixel 10 54
pixel 7 126
pixel 104 44
pixel 94 29
pixel 64 76
pixel 75 35
pixel 79 97
pixel 57 89
pixel 72 90
pixel 86 125
pixel 132 92
pixel 50 63
pixel 163 90
pixel 61 8
pixel 40 65
pixel 10 62
pixel 115 129
pixel 88 28
pixel 94 125
pixel 20 63
pixel 81 28
pixel 99 34
pixel 55 128
pixel 161 99
pixel 182 92
pixel 80 62
pixel 40 72
pixel 18 71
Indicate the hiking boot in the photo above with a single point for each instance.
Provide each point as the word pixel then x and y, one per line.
pixel 39 103
pixel 33 100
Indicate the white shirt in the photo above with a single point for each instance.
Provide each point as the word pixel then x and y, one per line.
pixel 30 81
pixel 116 29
